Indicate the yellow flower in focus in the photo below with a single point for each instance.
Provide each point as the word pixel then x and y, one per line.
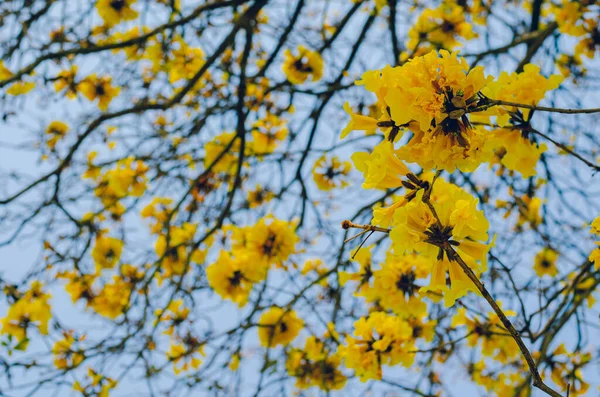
pixel 107 251
pixel 114 12
pixel 278 326
pixel 381 169
pixel 463 227
pixel 306 63
pixel 545 263
pixel 330 173
pixel 359 122
pixel 528 87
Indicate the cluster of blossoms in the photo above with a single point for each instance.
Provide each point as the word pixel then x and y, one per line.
pixel 580 21
pixel 30 310
pixel 315 365
pixel 436 112
pixel 254 250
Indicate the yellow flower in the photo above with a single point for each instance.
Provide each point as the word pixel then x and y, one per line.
pixel 259 196
pixel 79 285
pixel 330 173
pixel 529 211
pixel 65 80
pixel 461 226
pixel 185 62
pixel 98 384
pixel 222 153
pixel 528 87
pixel 114 12
pixel 185 355
pixel 495 339
pixel 56 130
pixel 380 339
pixel 270 242
pixel 519 154
pixel 175 255
pixel 30 310
pixel 545 263
pixel 93 87
pixel 107 251
pixel 278 326
pixel 233 278
pixel 316 366
pixel 267 133
pixel 381 169
pixel 442 27
pixel 359 122
pixel 113 299
pixel 364 274
pixel 305 63
pixel 65 355
pixel 395 284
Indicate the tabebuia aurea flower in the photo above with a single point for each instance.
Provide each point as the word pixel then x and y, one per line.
pixel 330 172
pixel 114 12
pixel 278 326
pixel 302 64
pixel 316 365
pixel 447 107
pixel 379 339
pixel 455 226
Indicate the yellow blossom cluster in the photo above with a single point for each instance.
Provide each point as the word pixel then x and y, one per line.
pixel 380 339
pixel 449 219
pixel 440 27
pixel 495 340
pixel 303 64
pixel 438 99
pixel 254 249
pixel 329 173
pixel 278 326
pixel 30 310
pixel 315 366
